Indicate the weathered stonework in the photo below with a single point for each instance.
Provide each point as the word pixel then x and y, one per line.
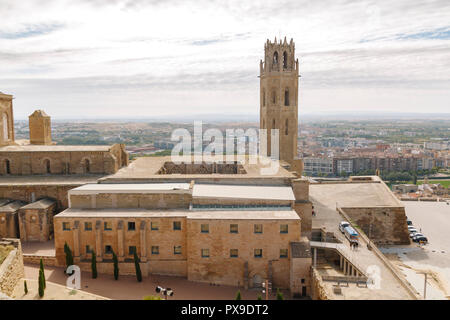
pixel 6 120
pixel 40 128
pixel 11 270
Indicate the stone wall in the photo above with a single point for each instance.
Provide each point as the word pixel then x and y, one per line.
pixel 6 120
pixel 319 290
pixel 384 225
pixel 11 270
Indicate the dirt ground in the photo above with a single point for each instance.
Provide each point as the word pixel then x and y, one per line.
pixel 127 288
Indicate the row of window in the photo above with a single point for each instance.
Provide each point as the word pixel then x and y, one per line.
pixel 47 167
pixel 241 206
pixel 204 228
pixel 234 253
pixel 274 97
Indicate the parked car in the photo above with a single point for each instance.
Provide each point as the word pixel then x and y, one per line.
pixel 408 222
pixel 343 225
pixel 413 231
pixel 420 238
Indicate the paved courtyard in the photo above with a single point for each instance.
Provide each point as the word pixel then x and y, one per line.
pixel 127 288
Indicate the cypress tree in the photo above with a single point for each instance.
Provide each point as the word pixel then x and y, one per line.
pixel 25 287
pixel 116 266
pixel 41 284
pixel 238 295
pixel 94 265
pixel 137 267
pixel 259 297
pixel 41 267
pixel 69 256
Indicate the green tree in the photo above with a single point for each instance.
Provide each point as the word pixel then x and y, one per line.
pixel 153 298
pixel 116 266
pixel 259 297
pixel 238 295
pixel 279 295
pixel 94 265
pixel 415 179
pixel 41 283
pixel 69 256
pixel 25 287
pixel 137 267
pixel 41 268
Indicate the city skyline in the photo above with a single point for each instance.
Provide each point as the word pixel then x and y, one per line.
pixel 124 58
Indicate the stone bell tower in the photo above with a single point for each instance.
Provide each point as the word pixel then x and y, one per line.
pixel 279 96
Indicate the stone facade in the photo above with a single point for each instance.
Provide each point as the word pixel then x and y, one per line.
pixel 11 270
pixel 36 220
pixel 6 120
pixel 40 128
pixel 9 219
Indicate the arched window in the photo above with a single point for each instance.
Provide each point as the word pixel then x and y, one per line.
pixel 275 59
pixel 47 165
pixel 87 166
pixel 285 60
pixel 273 124
pixel 274 97
pixel 286 129
pixel 286 97
pixel 7 167
pixel 264 97
pixel 264 124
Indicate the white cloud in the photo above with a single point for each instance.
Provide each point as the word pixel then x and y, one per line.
pixel 170 57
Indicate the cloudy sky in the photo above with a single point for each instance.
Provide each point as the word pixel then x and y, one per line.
pixel 137 59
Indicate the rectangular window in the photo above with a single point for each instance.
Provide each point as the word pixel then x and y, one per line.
pixel 88 249
pixel 258 228
pixel 205 253
pixel 87 226
pixel 154 226
pixel 155 250
pixel 131 226
pixel 177 250
pixel 233 228
pixel 108 226
pixel 204 228
pixel 131 250
pixel 234 253
pixel 283 253
pixel 258 253
pixel 177 225
pixel 283 228
pixel 66 226
pixel 108 249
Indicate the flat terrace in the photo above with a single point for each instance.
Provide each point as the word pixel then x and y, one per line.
pixel 48 180
pixel 146 169
pixel 54 148
pixel 143 213
pixel 325 197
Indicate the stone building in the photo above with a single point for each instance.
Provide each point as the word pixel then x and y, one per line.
pixel 6 120
pixel 40 128
pixel 9 218
pixel 36 220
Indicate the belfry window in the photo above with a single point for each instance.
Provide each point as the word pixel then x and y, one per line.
pixel 47 166
pixel 7 166
pixel 286 97
pixel 264 98
pixel 285 62
pixel 275 59
pixel 87 165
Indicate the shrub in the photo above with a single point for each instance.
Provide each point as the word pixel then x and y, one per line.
pixel 25 287
pixel 259 297
pixel 94 265
pixel 238 295
pixel 137 267
pixel 116 266
pixel 153 298
pixel 41 283
pixel 41 267
pixel 279 295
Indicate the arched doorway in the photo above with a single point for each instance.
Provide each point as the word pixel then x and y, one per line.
pixel 257 281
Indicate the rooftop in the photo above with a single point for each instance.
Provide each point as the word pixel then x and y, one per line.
pixel 132 188
pixel 12 206
pixel 40 204
pixel 53 148
pixel 243 192
pixel 46 180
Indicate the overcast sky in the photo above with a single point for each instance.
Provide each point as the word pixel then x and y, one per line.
pixel 132 59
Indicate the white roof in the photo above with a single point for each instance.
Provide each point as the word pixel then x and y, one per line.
pixel 243 192
pixel 131 188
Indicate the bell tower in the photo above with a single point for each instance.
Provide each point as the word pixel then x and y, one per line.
pixel 279 96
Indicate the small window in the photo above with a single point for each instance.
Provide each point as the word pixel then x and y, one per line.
pixel 258 253
pixel 155 250
pixel 108 226
pixel 88 249
pixel 286 97
pixel 283 228
pixel 258 228
pixel 286 128
pixel 131 226
pixel 234 253
pixel 204 228
pixel 303 280
pixel 154 226
pixel 177 250
pixel 108 249
pixel 283 253
pixel 234 228
pixel 131 250
pixel 205 253
pixel 87 226
pixel 7 166
pixel 66 226
pixel 177 225
pixel 285 60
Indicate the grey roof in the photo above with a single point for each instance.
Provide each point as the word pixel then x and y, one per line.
pixel 12 206
pixel 40 204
